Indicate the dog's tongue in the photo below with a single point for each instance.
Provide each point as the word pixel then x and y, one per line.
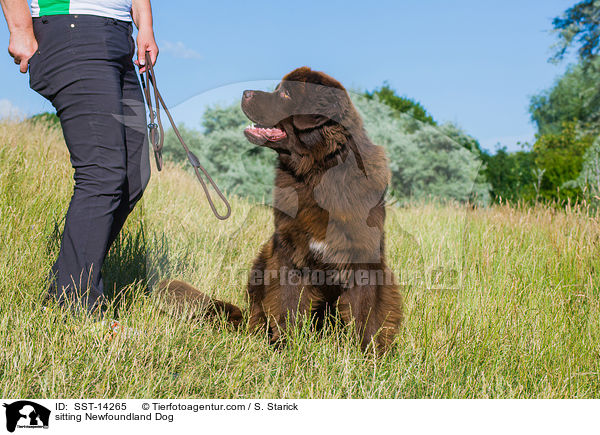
pixel 271 134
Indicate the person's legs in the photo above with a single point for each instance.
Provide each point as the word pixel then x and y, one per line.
pixel 136 144
pixel 83 64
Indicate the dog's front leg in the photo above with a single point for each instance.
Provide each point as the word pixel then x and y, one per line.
pixel 376 311
pixel 288 300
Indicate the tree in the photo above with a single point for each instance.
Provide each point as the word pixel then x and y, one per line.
pixel 223 118
pixel 575 97
pixel 429 161
pixel 560 155
pixel 511 175
pixel 568 115
pixel 401 105
pixel 173 150
pixel 237 166
pixel 589 177
pixel 579 25
pixel 463 139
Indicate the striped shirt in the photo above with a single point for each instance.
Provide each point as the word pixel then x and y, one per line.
pixel 118 9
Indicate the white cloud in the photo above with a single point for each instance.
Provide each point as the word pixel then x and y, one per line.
pixel 9 111
pixel 178 49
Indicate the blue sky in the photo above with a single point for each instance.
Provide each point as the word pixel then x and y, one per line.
pixel 475 63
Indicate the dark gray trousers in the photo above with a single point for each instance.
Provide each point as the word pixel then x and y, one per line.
pixel 84 68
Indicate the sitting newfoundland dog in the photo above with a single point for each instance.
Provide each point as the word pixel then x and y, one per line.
pixel 326 253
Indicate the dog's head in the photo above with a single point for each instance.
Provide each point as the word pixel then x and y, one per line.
pixel 295 118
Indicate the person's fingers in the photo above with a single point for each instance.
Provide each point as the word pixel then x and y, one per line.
pixel 24 65
pixel 154 55
pixel 144 47
pixel 142 57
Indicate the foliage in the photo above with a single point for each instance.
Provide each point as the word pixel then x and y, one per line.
pixel 445 169
pixel 579 25
pixel 574 97
pixel 224 118
pixel 560 156
pixel 589 177
pixel 427 162
pixel 401 105
pixel 236 165
pixel 568 114
pixel 511 175
pixel 463 139
pixel 47 118
pixel 172 149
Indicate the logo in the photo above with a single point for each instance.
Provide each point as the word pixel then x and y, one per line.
pixel 26 414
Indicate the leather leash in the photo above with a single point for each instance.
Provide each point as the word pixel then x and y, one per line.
pixel 156 136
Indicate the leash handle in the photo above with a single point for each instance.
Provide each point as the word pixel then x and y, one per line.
pixel 157 138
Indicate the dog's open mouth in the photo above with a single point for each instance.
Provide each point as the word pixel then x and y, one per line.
pixel 261 133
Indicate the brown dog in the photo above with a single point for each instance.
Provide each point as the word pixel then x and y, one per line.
pixel 327 251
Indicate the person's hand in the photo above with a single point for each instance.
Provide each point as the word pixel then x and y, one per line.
pixel 21 46
pixel 145 42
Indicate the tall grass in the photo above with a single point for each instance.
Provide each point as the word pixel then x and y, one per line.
pixel 501 302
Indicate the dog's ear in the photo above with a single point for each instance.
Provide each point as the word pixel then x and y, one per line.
pixel 321 104
pixel 307 122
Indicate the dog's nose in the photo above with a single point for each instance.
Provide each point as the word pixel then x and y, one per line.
pixel 248 95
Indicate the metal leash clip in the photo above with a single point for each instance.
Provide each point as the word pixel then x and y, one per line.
pixel 155 130
pixel 154 136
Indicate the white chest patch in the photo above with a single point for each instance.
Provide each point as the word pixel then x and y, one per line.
pixel 317 247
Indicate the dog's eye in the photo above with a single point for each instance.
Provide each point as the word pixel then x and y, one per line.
pixel 284 94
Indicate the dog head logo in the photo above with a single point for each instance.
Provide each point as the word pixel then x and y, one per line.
pixel 26 414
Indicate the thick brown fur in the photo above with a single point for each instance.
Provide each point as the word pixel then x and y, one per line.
pixel 329 214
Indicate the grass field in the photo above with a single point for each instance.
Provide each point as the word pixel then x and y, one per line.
pixel 500 302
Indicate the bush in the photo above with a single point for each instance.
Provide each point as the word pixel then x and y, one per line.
pixel 46 118
pixel 560 157
pixel 589 177
pixel 511 175
pixel 426 160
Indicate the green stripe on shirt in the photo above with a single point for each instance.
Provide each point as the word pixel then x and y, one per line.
pixel 54 7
